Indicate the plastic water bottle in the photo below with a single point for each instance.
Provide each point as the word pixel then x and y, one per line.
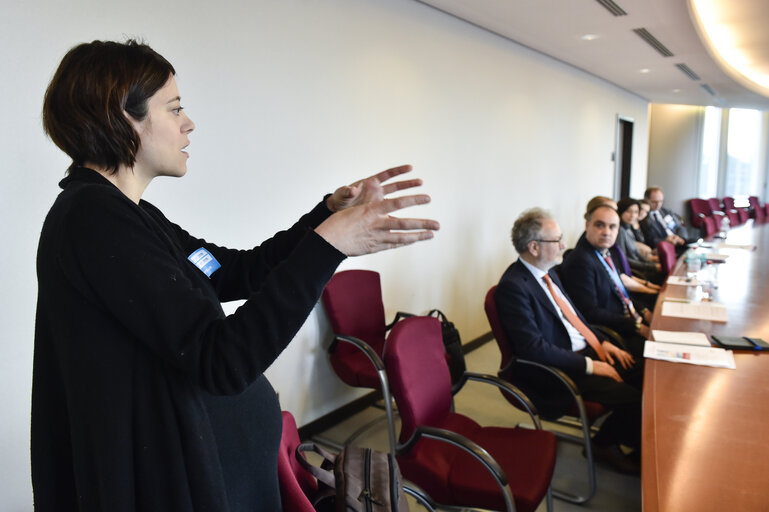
pixel 693 264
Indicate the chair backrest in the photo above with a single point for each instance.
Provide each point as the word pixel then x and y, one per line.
pixel 296 484
pixel 506 349
pixel 419 377
pixel 667 254
pixel 353 303
pixel 711 227
pixel 715 204
pixel 699 208
pixel 728 203
pixel 734 218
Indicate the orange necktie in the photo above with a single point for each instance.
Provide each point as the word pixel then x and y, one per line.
pixel 574 320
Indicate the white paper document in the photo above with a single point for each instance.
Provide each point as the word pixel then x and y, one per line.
pixel 683 281
pixel 712 311
pixel 701 356
pixel 747 247
pixel 715 256
pixel 681 338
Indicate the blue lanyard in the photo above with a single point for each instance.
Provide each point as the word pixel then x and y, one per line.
pixel 613 274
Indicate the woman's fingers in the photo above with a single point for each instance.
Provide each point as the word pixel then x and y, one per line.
pixel 391 173
pixel 401 185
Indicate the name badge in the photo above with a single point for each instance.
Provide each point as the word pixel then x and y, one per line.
pixel 205 261
pixel 670 221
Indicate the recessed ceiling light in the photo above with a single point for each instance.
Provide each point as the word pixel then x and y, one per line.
pixel 589 37
pixel 644 70
pixel 676 90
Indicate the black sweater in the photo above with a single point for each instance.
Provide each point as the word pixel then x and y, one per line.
pixel 130 339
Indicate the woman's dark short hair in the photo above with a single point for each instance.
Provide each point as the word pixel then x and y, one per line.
pixel 94 84
pixel 625 203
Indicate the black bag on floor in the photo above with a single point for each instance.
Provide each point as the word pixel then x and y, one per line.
pixel 453 345
pixel 356 480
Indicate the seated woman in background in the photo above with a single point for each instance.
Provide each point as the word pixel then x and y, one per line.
pixel 146 396
pixel 642 267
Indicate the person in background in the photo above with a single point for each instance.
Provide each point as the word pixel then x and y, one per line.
pixel 146 396
pixel 591 277
pixel 643 268
pixel 640 288
pixel 544 326
pixel 643 247
pixel 664 224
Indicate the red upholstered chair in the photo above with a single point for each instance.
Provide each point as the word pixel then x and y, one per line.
pixel 710 227
pixel 353 303
pixel 667 255
pixel 715 204
pixel 582 414
pixel 699 209
pixel 297 486
pixel 756 210
pixel 454 459
pixel 736 215
pixel 733 216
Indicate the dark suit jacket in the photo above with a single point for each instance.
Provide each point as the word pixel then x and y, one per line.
pixel 593 291
pixel 532 324
pixel 654 232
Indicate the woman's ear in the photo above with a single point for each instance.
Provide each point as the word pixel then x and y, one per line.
pixel 138 126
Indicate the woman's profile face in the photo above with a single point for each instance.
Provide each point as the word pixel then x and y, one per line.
pixel 164 135
pixel 630 216
pixel 643 212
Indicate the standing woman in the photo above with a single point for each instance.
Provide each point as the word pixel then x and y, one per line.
pixel 131 344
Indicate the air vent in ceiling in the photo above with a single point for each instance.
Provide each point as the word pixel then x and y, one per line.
pixel 612 7
pixel 653 41
pixel 688 71
pixel 708 89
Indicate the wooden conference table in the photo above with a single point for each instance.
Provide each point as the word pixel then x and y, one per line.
pixel 706 430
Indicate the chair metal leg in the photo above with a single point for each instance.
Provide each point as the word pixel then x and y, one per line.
pixel 585 442
pixel 577 499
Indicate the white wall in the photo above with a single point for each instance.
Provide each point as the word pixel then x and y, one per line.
pixel 675 145
pixel 292 99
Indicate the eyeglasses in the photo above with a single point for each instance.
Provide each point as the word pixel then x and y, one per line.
pixel 560 239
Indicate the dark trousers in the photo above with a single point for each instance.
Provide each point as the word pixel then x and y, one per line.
pixel 623 425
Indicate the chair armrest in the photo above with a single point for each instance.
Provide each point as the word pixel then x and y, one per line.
pixel 508 389
pixel 419 495
pixel 465 444
pixel 613 335
pixel 378 364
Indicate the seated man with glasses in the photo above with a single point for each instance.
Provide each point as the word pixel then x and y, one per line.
pixel 543 325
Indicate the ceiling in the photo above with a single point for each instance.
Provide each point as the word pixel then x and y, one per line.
pixel 618 54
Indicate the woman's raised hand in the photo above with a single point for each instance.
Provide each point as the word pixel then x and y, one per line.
pixel 370 189
pixel 362 223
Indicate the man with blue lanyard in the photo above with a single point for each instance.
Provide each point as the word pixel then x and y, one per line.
pixel 593 282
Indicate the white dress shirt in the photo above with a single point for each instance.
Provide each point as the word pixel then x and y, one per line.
pixel 577 340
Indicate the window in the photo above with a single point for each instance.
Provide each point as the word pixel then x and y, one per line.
pixel 737 166
pixel 743 148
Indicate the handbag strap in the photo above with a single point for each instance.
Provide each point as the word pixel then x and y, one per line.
pixel 323 475
pixel 437 313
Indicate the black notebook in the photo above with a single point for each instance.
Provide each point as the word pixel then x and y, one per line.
pixel 741 343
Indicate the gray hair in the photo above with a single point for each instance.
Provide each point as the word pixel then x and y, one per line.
pixel 528 227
